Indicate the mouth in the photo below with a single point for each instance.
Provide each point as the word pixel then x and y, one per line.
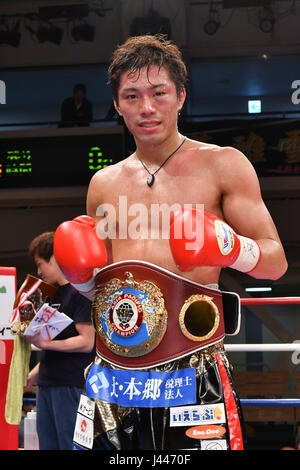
pixel 149 124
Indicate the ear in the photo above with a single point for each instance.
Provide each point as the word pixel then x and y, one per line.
pixel 117 108
pixel 52 260
pixel 181 99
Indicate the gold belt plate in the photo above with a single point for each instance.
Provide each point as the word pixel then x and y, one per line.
pixel 129 316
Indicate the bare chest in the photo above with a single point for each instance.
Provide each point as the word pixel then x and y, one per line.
pixel 133 209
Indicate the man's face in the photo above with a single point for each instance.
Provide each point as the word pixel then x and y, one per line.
pixel 47 270
pixel 149 104
pixel 79 96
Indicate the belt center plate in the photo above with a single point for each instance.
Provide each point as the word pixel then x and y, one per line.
pixel 129 316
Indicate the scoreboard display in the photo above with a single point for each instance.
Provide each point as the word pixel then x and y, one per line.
pixel 57 160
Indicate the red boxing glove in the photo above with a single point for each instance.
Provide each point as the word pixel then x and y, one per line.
pixel 78 250
pixel 199 238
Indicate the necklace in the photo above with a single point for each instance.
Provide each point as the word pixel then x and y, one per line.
pixel 150 179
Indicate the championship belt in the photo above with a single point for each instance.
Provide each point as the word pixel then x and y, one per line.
pixel 32 294
pixel 145 316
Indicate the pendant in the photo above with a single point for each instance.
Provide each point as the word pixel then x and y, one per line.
pixel 150 180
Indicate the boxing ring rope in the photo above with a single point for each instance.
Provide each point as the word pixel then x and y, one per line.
pixel 278 347
pixel 270 300
pixel 244 401
pixel 270 401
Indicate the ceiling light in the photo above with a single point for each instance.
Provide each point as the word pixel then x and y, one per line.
pixel 83 32
pixel 153 23
pixel 243 3
pixel 211 27
pixel 50 33
pixel 63 11
pixel 266 23
pixel 11 37
pixel 213 23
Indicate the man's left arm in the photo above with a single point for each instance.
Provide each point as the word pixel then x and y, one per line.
pixel 239 233
pixel 244 210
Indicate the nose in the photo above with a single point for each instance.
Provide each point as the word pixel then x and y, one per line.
pixel 146 106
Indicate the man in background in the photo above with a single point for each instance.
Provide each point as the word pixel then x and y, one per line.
pixel 76 110
pixel 60 372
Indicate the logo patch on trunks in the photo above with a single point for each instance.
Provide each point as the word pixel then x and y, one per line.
pixel 205 432
pixel 218 444
pixel 197 414
pixel 84 427
pixel 148 389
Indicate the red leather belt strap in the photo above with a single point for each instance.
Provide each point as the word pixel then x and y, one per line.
pixel 176 290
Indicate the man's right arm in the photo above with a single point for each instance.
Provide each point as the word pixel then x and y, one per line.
pixel 98 184
pixel 78 249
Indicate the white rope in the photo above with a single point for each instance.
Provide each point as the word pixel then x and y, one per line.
pixel 262 347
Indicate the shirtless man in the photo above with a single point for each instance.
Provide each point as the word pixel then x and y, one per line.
pixel 147 77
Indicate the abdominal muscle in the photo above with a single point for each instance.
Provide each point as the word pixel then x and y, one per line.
pixel 158 252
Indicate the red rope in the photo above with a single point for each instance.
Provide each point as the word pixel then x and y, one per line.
pixel 270 301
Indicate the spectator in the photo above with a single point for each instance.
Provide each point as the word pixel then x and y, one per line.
pixel 76 110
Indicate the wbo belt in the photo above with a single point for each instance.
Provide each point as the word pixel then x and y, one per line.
pixel 145 316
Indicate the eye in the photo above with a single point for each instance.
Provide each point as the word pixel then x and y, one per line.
pixel 130 97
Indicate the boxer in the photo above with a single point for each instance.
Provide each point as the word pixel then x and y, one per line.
pixel 219 197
